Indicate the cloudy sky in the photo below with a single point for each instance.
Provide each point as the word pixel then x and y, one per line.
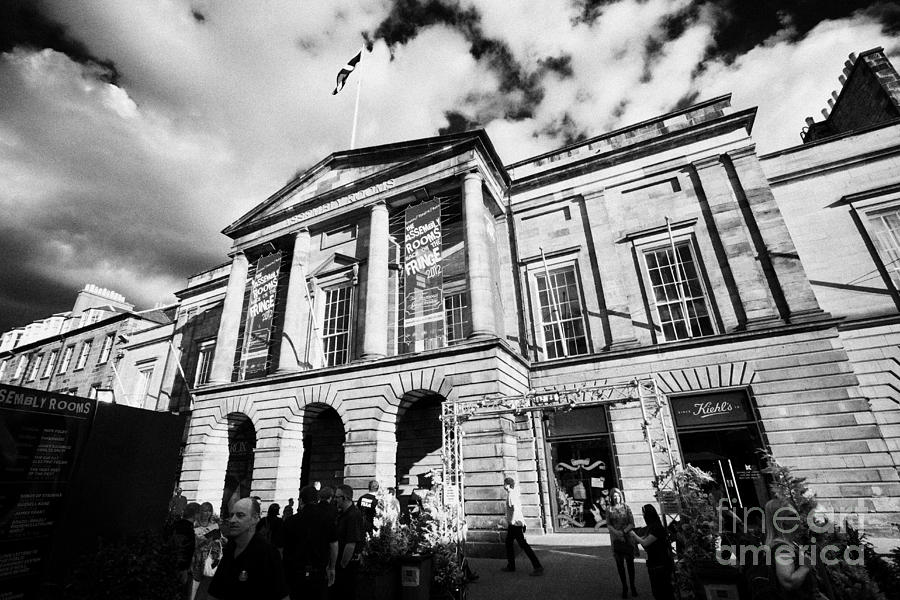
pixel 132 133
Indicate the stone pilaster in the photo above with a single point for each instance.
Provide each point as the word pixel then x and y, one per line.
pixel 754 291
pixel 612 274
pixel 478 258
pixel 370 455
pixel 203 472
pixel 296 310
pixel 230 323
pixel 779 246
pixel 276 471
pixel 376 324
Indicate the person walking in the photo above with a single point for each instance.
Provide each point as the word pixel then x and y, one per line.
pixel 250 568
pixel 310 549
pixel 515 530
pixel 288 511
pixel 619 523
pixel 351 532
pixel 659 555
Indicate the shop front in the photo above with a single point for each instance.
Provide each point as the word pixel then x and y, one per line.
pixel 582 466
pixel 719 433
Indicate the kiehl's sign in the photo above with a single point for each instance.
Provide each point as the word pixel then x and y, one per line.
pixel 711 409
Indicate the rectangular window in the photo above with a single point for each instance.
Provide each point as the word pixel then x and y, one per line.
pixel 455 316
pixel 66 359
pixel 3 364
pixel 562 318
pixel 35 367
pixel 885 226
pixel 106 349
pixel 51 362
pixel 681 303
pixel 20 367
pixel 85 351
pixel 336 326
pixel 141 390
pixel 204 362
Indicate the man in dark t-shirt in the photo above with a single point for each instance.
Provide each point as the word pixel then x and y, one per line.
pixel 310 549
pixel 351 532
pixel 368 506
pixel 250 568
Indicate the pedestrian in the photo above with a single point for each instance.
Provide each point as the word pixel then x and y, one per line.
pixel 250 568
pixel 368 505
pixel 207 552
pixel 288 511
pixel 619 523
pixel 391 505
pixel 326 499
pixel 793 576
pixel 184 545
pixel 177 504
pixel 659 556
pixel 310 548
pixel 351 535
pixel 270 527
pixel 515 529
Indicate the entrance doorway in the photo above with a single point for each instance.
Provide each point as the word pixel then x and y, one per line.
pixel 719 433
pixel 239 471
pixel 582 466
pixel 418 444
pixel 323 446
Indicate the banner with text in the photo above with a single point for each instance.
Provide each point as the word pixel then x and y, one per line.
pixel 260 314
pixel 42 434
pixel 423 305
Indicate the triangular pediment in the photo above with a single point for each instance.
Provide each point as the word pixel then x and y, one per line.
pixel 357 172
pixel 335 262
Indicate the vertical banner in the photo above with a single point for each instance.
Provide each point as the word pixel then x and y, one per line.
pixel 42 434
pixel 423 306
pixel 260 313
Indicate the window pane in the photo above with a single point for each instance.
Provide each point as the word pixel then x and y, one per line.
pixel 676 286
pixel 561 314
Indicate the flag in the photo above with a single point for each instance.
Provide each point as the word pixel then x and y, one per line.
pixel 345 71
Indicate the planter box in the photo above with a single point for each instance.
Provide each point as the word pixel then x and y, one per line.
pixel 713 581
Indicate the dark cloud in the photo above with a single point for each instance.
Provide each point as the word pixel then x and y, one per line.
pixel 590 10
pixel 561 65
pixel 407 17
pixel 198 16
pixel 566 130
pixel 457 122
pixel 23 25
pixel 686 100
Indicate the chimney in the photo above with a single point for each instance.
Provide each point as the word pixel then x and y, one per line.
pixel 834 95
pixel 810 121
pixel 842 78
pixel 825 112
pixel 830 103
pixel 852 57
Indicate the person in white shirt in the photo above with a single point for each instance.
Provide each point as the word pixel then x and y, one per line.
pixel 515 529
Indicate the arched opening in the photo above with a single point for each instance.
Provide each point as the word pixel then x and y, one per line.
pixel 418 442
pixel 323 446
pixel 239 472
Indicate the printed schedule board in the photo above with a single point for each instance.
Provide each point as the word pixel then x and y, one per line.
pixel 42 435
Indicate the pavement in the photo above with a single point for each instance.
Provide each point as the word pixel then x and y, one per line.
pixel 576 566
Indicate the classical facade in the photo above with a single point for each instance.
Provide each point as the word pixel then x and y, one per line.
pixel 386 281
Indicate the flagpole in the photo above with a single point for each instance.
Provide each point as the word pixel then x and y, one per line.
pixel 356 108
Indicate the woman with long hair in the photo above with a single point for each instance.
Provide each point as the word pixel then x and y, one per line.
pixel 620 523
pixel 208 545
pixel 659 556
pixel 792 570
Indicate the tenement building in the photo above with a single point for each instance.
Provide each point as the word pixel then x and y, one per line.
pixel 384 282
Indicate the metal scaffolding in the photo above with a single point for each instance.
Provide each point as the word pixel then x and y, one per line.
pixel 645 392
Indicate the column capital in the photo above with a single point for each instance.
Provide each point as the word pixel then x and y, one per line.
pixel 473 173
pixel 707 162
pixel 380 205
pixel 742 152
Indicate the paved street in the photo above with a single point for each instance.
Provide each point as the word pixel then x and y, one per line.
pixel 577 566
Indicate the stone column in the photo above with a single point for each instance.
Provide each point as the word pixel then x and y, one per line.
pixel 478 258
pixel 779 246
pixel 291 357
pixel 376 327
pixel 754 291
pixel 230 323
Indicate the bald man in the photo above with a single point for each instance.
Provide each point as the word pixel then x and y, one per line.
pixel 250 567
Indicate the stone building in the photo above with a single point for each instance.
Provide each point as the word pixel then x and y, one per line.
pixel 386 281
pixel 82 352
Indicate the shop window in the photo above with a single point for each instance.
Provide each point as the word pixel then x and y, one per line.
pixel 35 367
pixel 718 432
pixel 677 292
pixel 582 466
pixel 51 362
pixel 561 313
pixel 66 359
pixel 83 356
pixel 106 349
pixel 205 353
pixel 337 325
